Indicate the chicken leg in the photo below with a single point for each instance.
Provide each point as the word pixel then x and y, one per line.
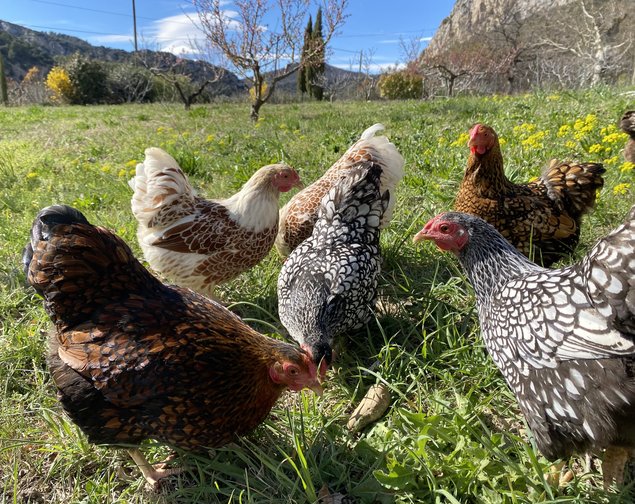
pixel 613 462
pixel 152 474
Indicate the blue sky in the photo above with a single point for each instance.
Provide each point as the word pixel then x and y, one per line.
pixel 374 26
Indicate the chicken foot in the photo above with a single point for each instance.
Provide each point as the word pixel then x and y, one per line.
pixel 152 474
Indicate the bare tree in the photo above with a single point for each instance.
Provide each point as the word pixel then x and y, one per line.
pixel 455 64
pixel 366 80
pixel 257 50
pixel 511 41
pixel 592 41
pixel 178 72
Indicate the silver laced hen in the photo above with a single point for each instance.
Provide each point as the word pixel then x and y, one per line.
pixel 564 339
pixel 327 286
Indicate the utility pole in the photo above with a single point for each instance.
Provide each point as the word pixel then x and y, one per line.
pixel 134 21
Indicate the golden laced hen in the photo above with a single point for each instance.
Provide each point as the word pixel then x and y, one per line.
pixel 542 218
pixel 200 243
pixel 627 123
pixel 564 339
pixel 135 359
pixel 298 216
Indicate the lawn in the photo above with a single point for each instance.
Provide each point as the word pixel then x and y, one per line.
pixel 453 432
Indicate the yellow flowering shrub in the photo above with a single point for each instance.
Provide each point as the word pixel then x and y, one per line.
pixel 60 83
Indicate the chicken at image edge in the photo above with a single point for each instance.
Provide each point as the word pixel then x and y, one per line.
pixel 564 339
pixel 134 359
pixel 200 243
pixel 542 219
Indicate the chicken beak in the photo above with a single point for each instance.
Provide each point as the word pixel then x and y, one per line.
pixel 316 387
pixel 298 183
pixel 421 235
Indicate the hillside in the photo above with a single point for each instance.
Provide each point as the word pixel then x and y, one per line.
pixel 23 48
pixel 515 45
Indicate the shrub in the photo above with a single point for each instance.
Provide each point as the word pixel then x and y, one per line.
pixel 130 83
pixel 60 83
pixel 400 85
pixel 89 78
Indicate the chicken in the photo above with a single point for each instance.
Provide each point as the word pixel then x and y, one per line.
pixel 134 359
pixel 627 123
pixel 327 286
pixel 298 216
pixel 201 243
pixel 541 219
pixel 564 339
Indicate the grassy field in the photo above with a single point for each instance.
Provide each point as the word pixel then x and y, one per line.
pixel 453 432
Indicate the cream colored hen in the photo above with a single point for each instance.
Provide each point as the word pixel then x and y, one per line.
pixel 200 243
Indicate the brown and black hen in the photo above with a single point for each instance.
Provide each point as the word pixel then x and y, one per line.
pixel 627 124
pixel 135 359
pixel 542 218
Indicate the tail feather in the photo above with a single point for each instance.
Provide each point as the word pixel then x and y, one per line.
pixel 77 267
pixel 573 186
pixel 384 153
pixel 158 182
pixel 354 207
pixel 627 123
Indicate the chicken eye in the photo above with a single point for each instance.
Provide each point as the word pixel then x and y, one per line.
pixel 293 371
pixel 444 228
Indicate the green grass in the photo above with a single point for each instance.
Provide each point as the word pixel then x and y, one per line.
pixel 453 432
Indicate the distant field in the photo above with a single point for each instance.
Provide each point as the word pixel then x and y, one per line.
pixel 453 433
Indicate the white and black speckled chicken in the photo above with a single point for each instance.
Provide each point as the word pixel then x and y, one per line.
pixel 327 286
pixel 564 339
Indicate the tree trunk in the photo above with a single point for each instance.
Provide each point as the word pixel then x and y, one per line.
pixel 4 97
pixel 255 109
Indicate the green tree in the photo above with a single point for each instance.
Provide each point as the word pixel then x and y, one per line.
pixel 317 87
pixel 302 83
pixel 89 78
pixel 4 97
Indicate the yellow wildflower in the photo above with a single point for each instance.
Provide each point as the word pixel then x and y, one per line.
pixel 564 130
pixel 524 128
pixel 621 189
pixel 595 148
pixel 627 166
pixel 611 160
pixel 608 130
pixel 553 97
pixel 461 141
pixel 570 144
pixel 31 175
pixel 132 163
pixel 122 173
pixel 612 138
